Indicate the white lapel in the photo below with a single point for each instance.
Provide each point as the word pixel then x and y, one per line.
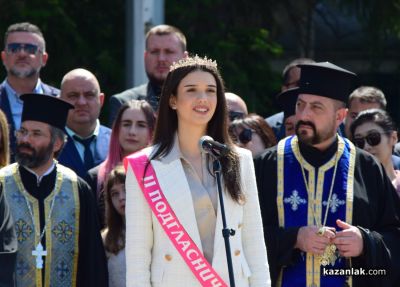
pixel 175 187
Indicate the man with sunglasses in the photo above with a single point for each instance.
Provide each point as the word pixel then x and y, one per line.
pixel 23 57
pixel 327 206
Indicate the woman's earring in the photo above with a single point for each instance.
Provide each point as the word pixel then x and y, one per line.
pixel 173 107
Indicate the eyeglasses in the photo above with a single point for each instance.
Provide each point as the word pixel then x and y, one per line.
pixel 235 115
pixel 373 139
pixel 22 133
pixel 245 136
pixel 14 48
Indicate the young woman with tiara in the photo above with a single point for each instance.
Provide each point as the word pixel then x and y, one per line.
pixel 173 216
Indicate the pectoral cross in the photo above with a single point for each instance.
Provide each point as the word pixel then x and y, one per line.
pixel 329 256
pixel 39 253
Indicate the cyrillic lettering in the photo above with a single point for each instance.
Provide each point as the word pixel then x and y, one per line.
pixel 174 223
pixel 206 274
pixel 161 207
pixel 149 181
pixel 180 234
pixel 167 217
pixel 199 264
pixel 185 244
pixel 190 252
pixel 155 195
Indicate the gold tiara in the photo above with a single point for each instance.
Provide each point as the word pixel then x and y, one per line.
pixel 193 61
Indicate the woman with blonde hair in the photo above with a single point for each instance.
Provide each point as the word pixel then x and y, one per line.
pixel 4 141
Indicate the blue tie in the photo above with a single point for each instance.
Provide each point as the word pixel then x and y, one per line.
pixel 88 160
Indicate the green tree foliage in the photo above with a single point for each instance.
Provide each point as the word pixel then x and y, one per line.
pixel 87 34
pixel 242 36
pixel 235 34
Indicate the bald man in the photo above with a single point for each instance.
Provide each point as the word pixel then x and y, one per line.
pixel 88 141
pixel 237 107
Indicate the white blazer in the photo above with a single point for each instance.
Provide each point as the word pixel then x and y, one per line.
pixel 151 258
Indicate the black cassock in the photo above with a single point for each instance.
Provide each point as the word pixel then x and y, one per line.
pixel 8 244
pixel 92 262
pixel 376 210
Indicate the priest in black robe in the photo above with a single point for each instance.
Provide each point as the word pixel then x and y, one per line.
pixel 59 241
pixel 327 206
pixel 8 244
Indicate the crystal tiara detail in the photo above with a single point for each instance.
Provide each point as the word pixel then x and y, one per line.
pixel 193 61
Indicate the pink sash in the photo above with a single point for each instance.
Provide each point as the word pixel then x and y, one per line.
pixel 189 251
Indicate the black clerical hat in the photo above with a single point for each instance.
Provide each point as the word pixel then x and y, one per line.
pixel 327 80
pixel 287 101
pixel 44 108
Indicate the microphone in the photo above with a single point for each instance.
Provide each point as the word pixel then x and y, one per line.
pixel 209 145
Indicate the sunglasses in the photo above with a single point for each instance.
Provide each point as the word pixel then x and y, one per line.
pixel 235 115
pixel 373 139
pixel 245 136
pixel 14 48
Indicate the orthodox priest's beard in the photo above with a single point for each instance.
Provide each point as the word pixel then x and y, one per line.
pixel 315 137
pixel 36 158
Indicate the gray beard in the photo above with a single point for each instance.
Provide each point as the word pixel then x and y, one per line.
pixel 23 74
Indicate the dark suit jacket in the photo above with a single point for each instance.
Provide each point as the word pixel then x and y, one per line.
pixel 6 108
pixel 91 179
pixel 396 162
pixel 276 123
pixel 143 92
pixel 396 150
pixel 70 157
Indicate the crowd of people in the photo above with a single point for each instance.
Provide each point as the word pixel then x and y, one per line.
pixel 307 193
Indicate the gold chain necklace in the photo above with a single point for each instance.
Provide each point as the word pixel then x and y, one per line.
pixel 329 256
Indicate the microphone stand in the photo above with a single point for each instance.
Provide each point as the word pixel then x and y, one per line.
pixel 226 232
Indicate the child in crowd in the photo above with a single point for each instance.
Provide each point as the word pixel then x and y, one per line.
pixel 114 233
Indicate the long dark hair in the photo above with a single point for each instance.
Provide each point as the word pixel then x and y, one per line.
pixel 114 239
pixel 167 123
pixel 115 151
